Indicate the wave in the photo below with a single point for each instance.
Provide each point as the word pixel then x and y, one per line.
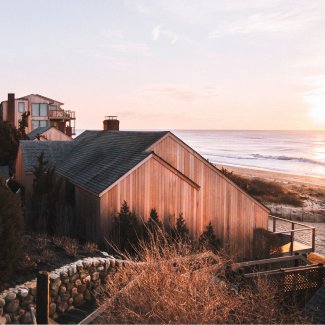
pixel 299 159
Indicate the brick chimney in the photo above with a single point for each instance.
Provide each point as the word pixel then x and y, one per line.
pixel 11 109
pixel 111 123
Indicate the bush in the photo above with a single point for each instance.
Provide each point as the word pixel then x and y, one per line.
pixel 209 240
pixel 11 230
pixel 90 248
pixel 69 245
pixel 179 286
pixel 126 229
pixel 180 232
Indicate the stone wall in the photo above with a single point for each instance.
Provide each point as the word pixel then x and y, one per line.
pixel 70 286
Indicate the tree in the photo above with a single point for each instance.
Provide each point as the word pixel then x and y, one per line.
pixel 208 239
pixel 45 196
pixel 9 141
pixel 126 228
pixel 181 230
pixel 154 223
pixel 23 124
pixel 11 230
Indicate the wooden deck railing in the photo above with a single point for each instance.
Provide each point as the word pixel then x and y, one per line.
pixel 293 230
pixel 62 114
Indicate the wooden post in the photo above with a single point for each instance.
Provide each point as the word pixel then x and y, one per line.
pixel 313 239
pixel 274 224
pixel 42 298
pixel 292 238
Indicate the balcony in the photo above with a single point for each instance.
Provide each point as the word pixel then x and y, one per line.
pixel 62 115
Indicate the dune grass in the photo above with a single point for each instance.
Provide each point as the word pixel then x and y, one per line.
pixel 181 284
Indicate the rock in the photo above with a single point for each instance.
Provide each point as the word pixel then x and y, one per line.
pixel 72 270
pixel 95 276
pixel 29 299
pixel 65 281
pixel 87 279
pixel 55 278
pixel 65 297
pixel 26 318
pixel 79 267
pixel 62 289
pixel 96 262
pixel 52 309
pixel 83 275
pixel 2 302
pixel 107 264
pixel 3 320
pixel 1 311
pixel 74 277
pixel 70 301
pixel 10 296
pixel 86 264
pixel 33 289
pixel 74 292
pixel 8 319
pixel 77 283
pixel 81 288
pixel 78 299
pixel 112 262
pixel 22 293
pixel 63 307
pixel 87 295
pixel 12 306
pixel 100 268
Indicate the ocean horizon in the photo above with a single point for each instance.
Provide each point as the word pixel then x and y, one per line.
pixel 291 152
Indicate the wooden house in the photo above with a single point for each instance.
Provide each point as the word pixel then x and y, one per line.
pixel 44 112
pixel 149 170
pixel 48 133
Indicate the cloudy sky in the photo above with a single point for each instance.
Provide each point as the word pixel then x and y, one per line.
pixel 179 64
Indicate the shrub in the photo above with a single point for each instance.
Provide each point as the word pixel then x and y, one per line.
pixel 11 230
pixel 180 232
pixel 69 245
pixel 179 287
pixel 126 229
pixel 208 239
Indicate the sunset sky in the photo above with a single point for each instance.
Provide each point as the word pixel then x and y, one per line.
pixel 179 64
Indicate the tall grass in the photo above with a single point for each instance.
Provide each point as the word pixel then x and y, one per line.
pixel 179 284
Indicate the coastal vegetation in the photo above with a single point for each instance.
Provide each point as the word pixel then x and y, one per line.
pixel 265 191
pixel 180 284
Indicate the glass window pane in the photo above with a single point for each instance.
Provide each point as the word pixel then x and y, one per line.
pixel 21 107
pixel 35 110
pixel 42 123
pixel 52 107
pixel 43 110
pixel 35 124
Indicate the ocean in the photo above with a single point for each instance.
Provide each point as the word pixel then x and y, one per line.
pixel 293 152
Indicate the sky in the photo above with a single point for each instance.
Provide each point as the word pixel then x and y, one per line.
pixel 170 64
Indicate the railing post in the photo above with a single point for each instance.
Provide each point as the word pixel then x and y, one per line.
pixel 313 239
pixel 42 298
pixel 274 224
pixel 292 238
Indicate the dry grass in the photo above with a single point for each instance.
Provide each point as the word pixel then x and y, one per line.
pixel 69 245
pixel 177 285
pixel 90 248
pixel 270 192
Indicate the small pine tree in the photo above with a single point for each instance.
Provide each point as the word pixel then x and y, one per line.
pixel 181 230
pixel 23 124
pixel 154 222
pixel 11 231
pixel 208 239
pixel 45 196
pixel 126 228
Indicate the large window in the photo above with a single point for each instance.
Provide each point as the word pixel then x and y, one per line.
pixel 53 107
pixel 39 110
pixel 38 123
pixel 21 107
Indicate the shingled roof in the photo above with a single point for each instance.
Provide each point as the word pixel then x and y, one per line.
pixel 100 158
pixel 32 135
pixel 95 159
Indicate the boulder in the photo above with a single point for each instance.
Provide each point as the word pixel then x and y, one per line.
pixel 12 306
pixel 27 318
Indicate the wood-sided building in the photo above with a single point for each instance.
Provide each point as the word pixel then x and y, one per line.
pixel 149 170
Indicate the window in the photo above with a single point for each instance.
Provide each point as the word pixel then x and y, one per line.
pixel 38 123
pixel 21 107
pixel 39 110
pixel 53 107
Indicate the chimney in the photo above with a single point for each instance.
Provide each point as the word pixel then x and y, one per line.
pixel 11 109
pixel 111 123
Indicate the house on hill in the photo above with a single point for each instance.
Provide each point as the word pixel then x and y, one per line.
pixel 49 133
pixel 44 112
pixel 149 170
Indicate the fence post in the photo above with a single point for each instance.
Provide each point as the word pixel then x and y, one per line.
pixel 42 298
pixel 313 239
pixel 274 224
pixel 292 238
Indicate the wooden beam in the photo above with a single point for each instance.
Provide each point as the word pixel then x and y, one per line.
pixel 42 298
